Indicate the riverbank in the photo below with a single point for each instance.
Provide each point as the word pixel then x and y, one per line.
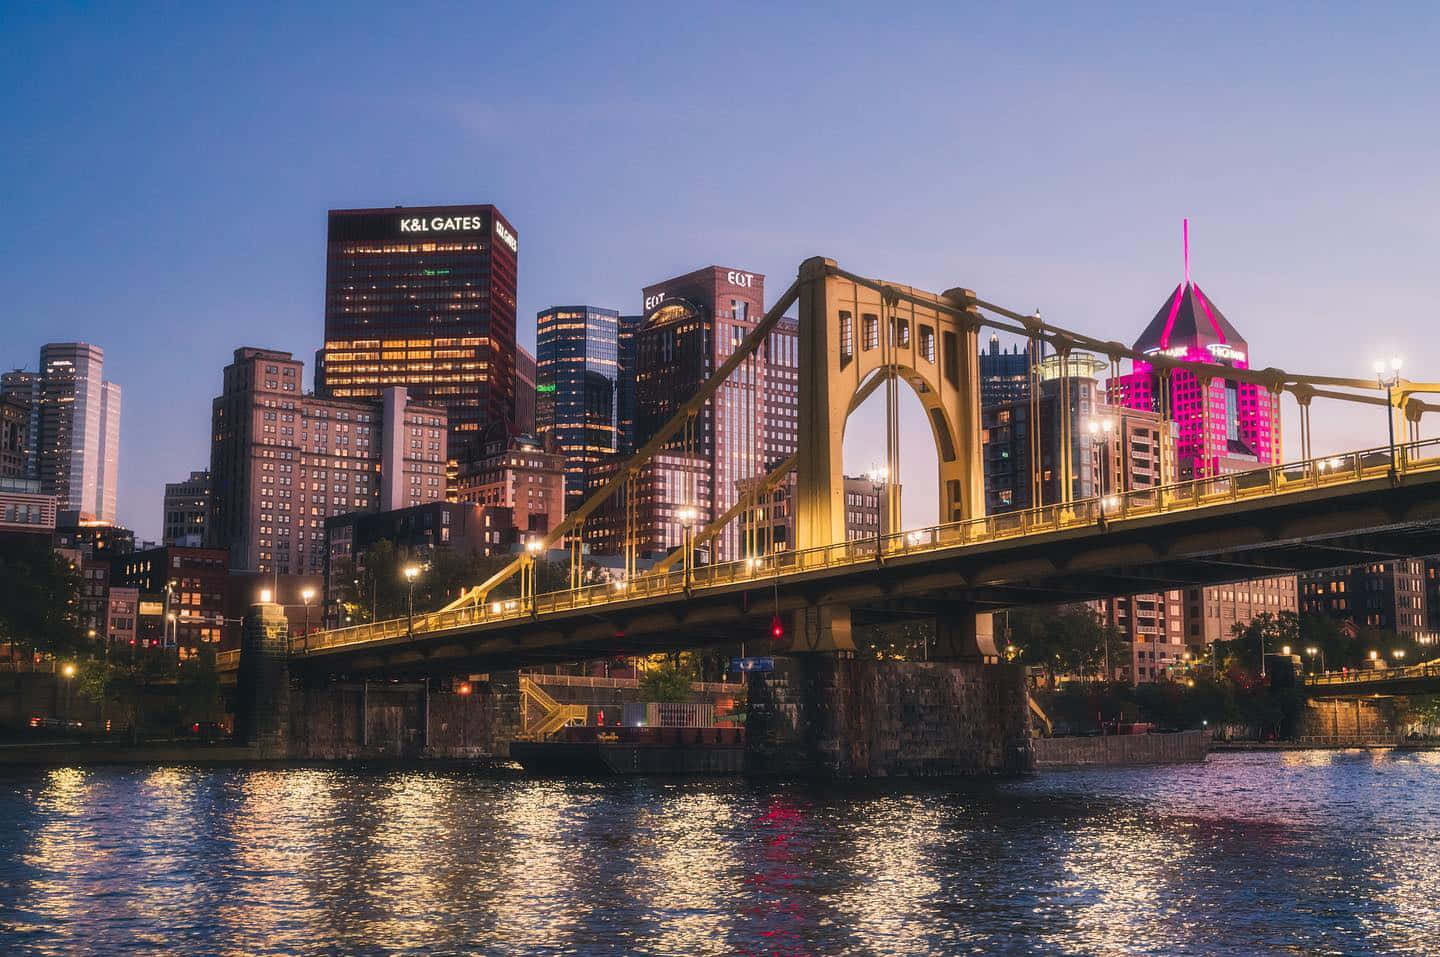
pixel 1336 745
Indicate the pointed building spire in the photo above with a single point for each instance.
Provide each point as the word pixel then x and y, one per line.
pixel 1186 233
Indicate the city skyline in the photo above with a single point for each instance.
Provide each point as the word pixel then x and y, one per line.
pixel 1310 214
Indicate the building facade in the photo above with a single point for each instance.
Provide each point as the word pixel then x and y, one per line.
pixel 520 476
pixel 691 325
pixel 424 298
pixel 186 505
pixel 1387 596
pixel 189 585
pixel 417 532
pixel 625 386
pixel 18 388
pixel 25 511
pixel 74 430
pixel 1013 480
pixel 1004 374
pixel 525 395
pixel 14 438
pixel 577 380
pixel 282 461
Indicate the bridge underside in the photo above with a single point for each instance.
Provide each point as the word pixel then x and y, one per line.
pixel 1373 520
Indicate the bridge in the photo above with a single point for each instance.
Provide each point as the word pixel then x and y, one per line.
pixel 1422 678
pixel 858 335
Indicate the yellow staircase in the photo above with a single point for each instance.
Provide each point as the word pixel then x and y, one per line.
pixel 556 715
pixel 1042 719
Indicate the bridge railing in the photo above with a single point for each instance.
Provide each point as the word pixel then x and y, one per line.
pixel 1371 676
pixel 1420 456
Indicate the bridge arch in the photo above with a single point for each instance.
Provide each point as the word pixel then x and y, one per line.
pixel 853 331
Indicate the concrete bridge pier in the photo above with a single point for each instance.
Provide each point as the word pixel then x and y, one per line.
pixel 262 686
pixel 824 712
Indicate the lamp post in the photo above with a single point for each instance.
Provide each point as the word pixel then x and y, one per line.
pixel 69 672
pixel 1102 430
pixel 412 572
pixel 687 515
pixel 305 596
pixel 1388 378
pixel 879 476
pixel 1312 651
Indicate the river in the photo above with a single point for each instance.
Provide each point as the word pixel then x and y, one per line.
pixel 1299 852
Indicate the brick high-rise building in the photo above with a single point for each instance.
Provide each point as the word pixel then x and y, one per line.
pixel 186 505
pixel 424 297
pixel 14 438
pixel 521 476
pixel 188 583
pixel 282 461
pixel 18 388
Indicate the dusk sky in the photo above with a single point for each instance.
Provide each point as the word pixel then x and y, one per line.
pixel 167 171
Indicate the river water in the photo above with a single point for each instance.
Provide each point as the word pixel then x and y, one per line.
pixel 1308 852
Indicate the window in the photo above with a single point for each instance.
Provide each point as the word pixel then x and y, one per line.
pixel 871 327
pixel 927 343
pixel 847 338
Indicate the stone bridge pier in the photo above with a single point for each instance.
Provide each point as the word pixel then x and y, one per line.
pixel 826 712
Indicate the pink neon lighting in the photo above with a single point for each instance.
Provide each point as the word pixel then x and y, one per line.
pixel 1186 234
pixel 1170 319
pixel 1208 314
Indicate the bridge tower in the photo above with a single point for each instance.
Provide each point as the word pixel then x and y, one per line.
pixel 852 332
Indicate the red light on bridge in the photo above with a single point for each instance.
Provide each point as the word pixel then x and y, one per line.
pixel 777 629
pixel 464 687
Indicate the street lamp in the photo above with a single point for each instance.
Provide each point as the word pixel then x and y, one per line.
pixel 1398 654
pixel 69 672
pixel 1312 651
pixel 879 477
pixel 412 572
pixel 305 596
pixel 1388 378
pixel 687 516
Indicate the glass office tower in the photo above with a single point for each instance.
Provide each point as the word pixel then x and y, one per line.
pixel 576 379
pixel 424 297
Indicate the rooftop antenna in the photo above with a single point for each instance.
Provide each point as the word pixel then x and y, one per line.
pixel 1186 232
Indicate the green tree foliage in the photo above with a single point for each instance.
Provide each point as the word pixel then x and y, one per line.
pixel 668 681
pixel 38 591
pixel 1063 639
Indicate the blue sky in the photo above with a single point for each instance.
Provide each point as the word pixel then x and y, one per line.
pixel 166 170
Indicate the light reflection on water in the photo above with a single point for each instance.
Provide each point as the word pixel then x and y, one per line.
pixel 1251 853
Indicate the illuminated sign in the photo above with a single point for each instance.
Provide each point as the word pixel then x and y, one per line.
pixel 547 387
pixel 152 608
pixel 1222 351
pixel 506 236
pixel 652 301
pixel 445 224
pixel 745 280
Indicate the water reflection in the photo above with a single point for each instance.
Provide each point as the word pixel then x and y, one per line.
pixel 1302 851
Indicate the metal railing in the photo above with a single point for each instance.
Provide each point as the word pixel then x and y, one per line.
pixel 1269 481
pixel 1361 677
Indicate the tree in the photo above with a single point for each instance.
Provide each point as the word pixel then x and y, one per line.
pixel 668 681
pixel 1063 639
pixel 38 593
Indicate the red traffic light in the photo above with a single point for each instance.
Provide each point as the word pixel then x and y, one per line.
pixel 777 630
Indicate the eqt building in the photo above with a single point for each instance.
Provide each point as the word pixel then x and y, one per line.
pixel 424 297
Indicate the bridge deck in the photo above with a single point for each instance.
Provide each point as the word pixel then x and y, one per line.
pixel 1322 513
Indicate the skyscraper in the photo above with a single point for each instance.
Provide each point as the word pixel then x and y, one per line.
pixel 577 371
pixel 424 298
pixel 1221 426
pixel 1224 425
pixel 692 323
pixel 1004 374
pixel 76 421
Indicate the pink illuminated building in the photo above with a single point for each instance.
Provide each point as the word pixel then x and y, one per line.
pixel 1223 426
